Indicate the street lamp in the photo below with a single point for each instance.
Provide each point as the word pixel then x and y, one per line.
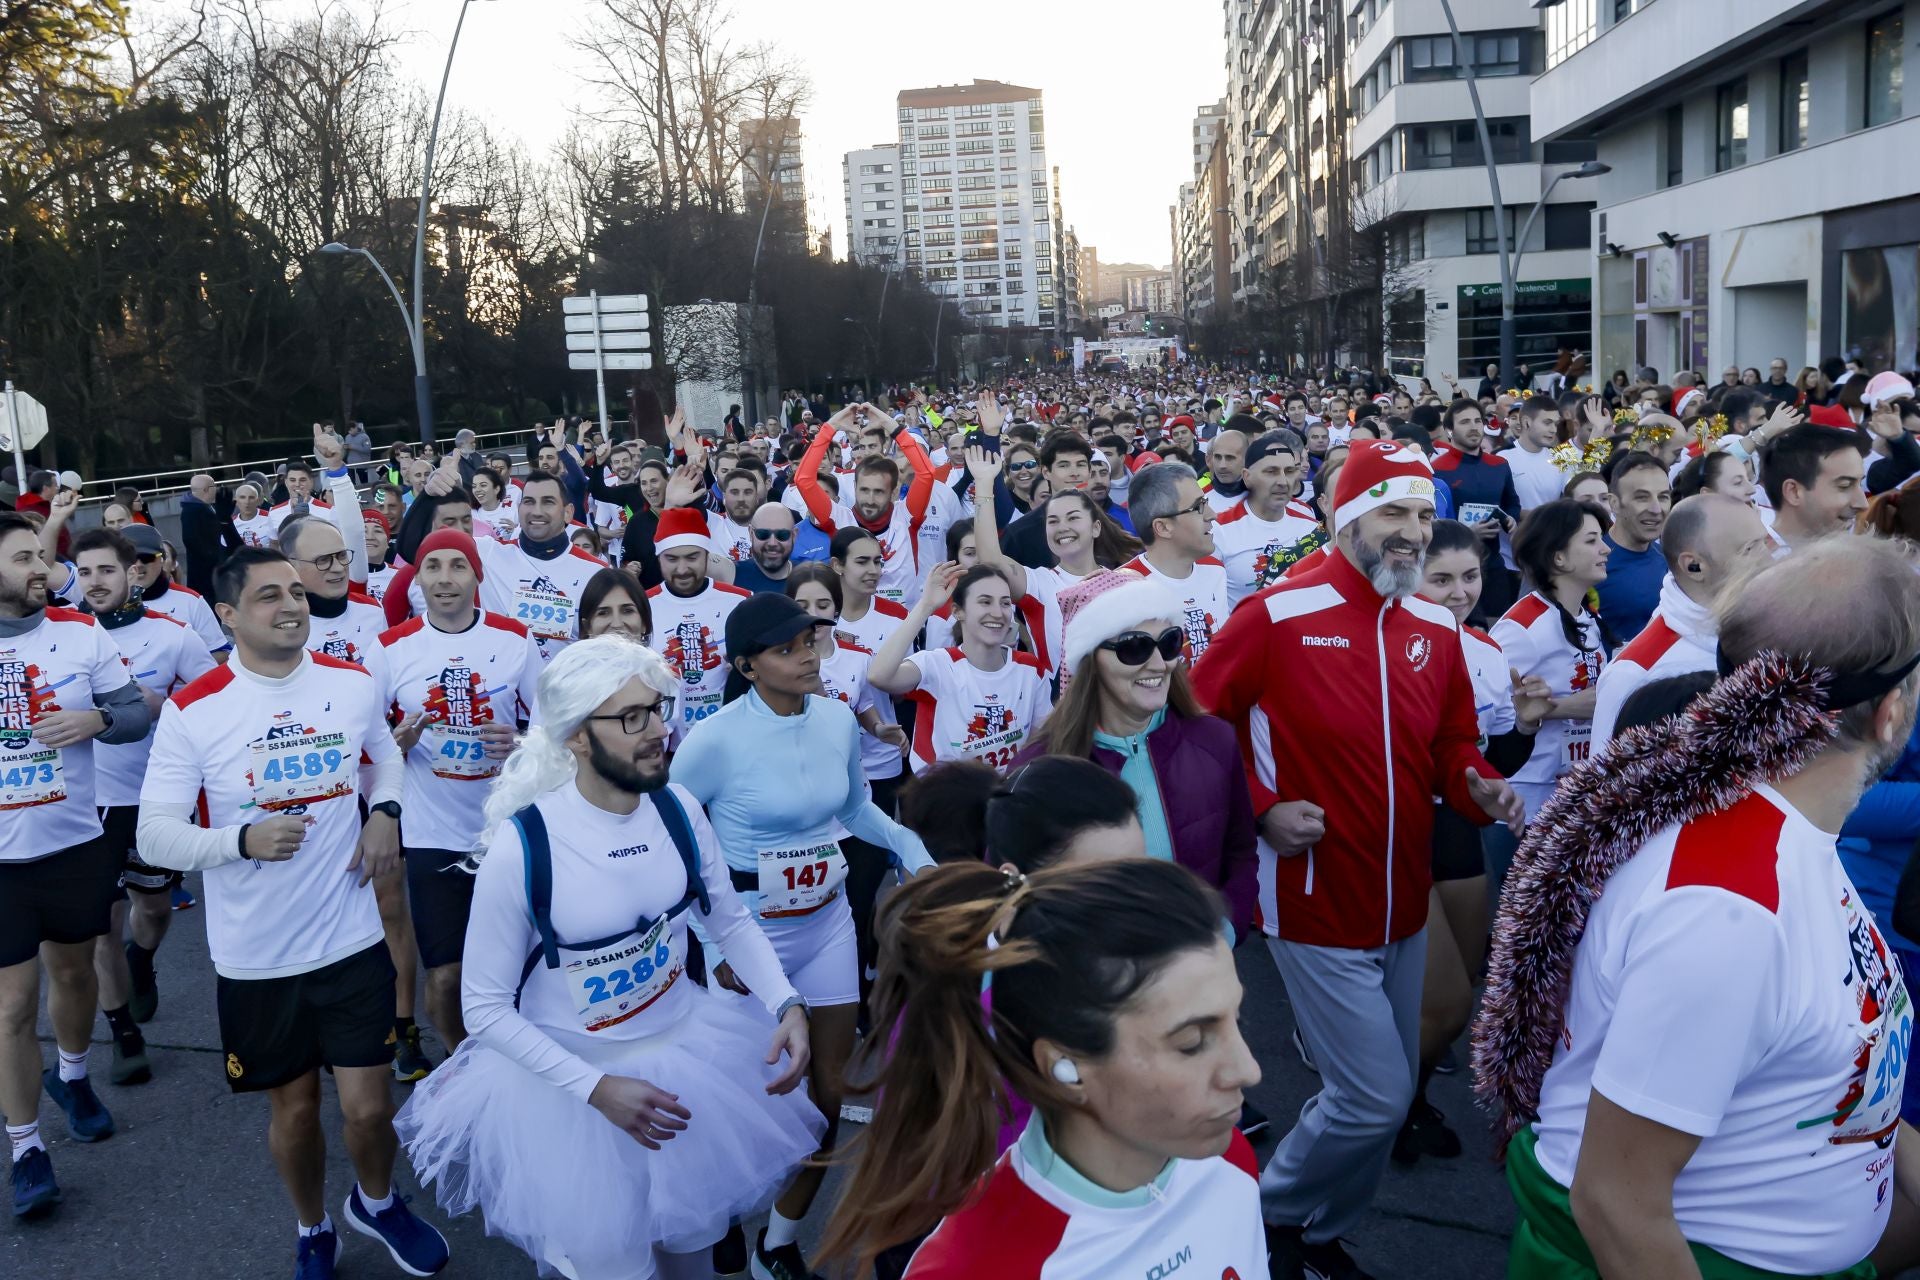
pixel 753 286
pixel 423 398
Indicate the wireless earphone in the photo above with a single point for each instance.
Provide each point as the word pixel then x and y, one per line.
pixel 1065 1072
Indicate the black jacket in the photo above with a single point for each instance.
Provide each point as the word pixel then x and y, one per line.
pixel 209 540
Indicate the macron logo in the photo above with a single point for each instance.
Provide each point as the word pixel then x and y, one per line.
pixel 1326 642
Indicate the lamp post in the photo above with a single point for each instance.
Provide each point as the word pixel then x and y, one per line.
pixel 423 400
pixel 753 288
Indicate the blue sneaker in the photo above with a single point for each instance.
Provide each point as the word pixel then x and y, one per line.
pixel 318 1255
pixel 87 1118
pixel 417 1248
pixel 34 1190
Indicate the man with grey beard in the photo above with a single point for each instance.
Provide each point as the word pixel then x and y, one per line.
pixel 1357 710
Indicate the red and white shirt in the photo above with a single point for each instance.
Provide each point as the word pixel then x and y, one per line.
pixel 1535 644
pixel 1202 595
pixel 970 714
pixel 1730 984
pixel 690 632
pixel 354 636
pixel 844 675
pixel 243 747
pixel 541 595
pixel 1040 607
pixel 1680 638
pixel 163 654
pixel 47 793
pixel 186 605
pixel 281 512
pixel 257 532
pixel 882 619
pixel 485 674
pixel 1038 1219
pixel 902 573
pixel 1256 552
pixel 734 541
pixel 1492 683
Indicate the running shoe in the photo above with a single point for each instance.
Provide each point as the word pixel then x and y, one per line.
pixel 182 900
pixel 410 1061
pixel 145 997
pixel 1425 1133
pixel 1300 1047
pixel 417 1248
pixel 319 1254
pixel 130 1063
pixel 1448 1063
pixel 1253 1121
pixel 34 1190
pixel 784 1263
pixel 730 1254
pixel 1329 1261
pixel 87 1119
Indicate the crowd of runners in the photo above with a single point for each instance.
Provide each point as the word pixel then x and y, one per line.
pixel 937 751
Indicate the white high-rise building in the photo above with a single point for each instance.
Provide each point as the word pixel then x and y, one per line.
pixel 871 179
pixel 976 198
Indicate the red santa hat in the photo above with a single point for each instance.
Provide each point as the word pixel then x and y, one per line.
pixel 682 527
pixel 1685 399
pixel 1378 472
pixel 1183 420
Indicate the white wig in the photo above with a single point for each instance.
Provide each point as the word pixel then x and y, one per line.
pixel 580 678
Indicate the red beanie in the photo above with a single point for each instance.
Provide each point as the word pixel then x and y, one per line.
pixel 451 540
pixel 371 516
pixel 682 527
pixel 1378 472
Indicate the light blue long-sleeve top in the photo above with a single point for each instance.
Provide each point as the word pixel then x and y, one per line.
pixel 770 780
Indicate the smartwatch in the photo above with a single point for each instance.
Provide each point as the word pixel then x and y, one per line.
pixel 389 807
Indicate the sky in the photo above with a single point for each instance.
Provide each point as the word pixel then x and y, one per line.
pixel 1121 82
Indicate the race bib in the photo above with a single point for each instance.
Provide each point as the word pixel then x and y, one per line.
pixel 547 614
pixel 30 774
pixel 696 706
pixel 1886 1068
pixel 1576 745
pixel 801 879
pixel 459 752
pixel 1476 512
pixel 301 769
pixel 619 980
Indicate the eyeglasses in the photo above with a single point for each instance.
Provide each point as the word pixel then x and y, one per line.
pixel 636 719
pixel 332 560
pixel 1133 648
pixel 147 558
pixel 778 535
pixel 1193 508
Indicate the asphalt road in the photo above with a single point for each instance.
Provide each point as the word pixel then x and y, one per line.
pixel 185 1189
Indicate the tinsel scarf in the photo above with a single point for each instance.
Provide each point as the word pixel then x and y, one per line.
pixel 1764 720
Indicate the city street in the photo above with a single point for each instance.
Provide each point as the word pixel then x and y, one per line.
pixel 185 1188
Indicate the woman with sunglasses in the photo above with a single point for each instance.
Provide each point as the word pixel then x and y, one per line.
pixel 1023 473
pixel 1130 710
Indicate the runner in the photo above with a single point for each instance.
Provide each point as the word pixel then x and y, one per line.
pixel 305 977
pixel 1114 1007
pixel 380 570
pixel 894 522
pixel 300 495
pixel 614 601
pixel 65 685
pixel 980 699
pixel 1173 518
pixel 690 611
pixel 161 594
pixel 778 824
pixel 254 524
pixel 1266 532
pixel 162 654
pixel 1225 481
pixel 460 681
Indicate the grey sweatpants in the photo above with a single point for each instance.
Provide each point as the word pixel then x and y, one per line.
pixel 1359 1013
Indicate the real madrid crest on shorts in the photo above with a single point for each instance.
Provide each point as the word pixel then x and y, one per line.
pixel 234 1069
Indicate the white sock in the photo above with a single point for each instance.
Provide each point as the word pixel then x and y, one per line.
pixel 73 1066
pixel 25 1137
pixel 781 1230
pixel 325 1224
pixel 372 1205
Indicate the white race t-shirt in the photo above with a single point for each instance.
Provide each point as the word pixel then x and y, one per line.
pixel 280 513
pixel 259 531
pixel 1531 637
pixel 735 541
pixel 163 654
pixel 246 747
pixel 1202 595
pixel 46 793
pixel 1256 552
pixel 1492 683
pixel 485 674
pixel 969 714
pixel 1040 607
pixel 354 636
pixel 690 632
pixel 542 595
pixel 1535 479
pixel 190 607
pixel 1731 985
pixel 844 676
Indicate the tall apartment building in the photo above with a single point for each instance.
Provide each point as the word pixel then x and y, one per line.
pixel 1090 291
pixel 1203 249
pixel 1420 178
pixel 976 200
pixel 1070 310
pixel 1762 201
pixel 870 179
pixel 772 148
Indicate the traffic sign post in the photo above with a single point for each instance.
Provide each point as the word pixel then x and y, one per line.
pixel 607 333
pixel 23 426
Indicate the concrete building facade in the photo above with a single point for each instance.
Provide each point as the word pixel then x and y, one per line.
pixel 870 180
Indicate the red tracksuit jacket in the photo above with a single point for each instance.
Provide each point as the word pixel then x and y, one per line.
pixel 1363 706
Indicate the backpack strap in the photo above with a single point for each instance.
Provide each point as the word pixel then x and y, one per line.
pixel 667 805
pixel 539 865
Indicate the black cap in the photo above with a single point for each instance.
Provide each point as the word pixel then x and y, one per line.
pixel 144 537
pixel 761 621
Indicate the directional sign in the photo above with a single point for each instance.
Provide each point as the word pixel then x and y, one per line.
pixel 610 341
pixel 616 302
pixel 33 420
pixel 609 360
pixel 618 322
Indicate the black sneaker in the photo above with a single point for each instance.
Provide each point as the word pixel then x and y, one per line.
pixel 409 1059
pixel 144 1000
pixel 1425 1133
pixel 730 1254
pixel 34 1190
pixel 130 1062
pixel 1286 1253
pixel 784 1263
pixel 1253 1121
pixel 1329 1261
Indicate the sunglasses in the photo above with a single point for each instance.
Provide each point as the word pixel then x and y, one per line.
pixel 1023 466
pixel 1133 648
pixel 778 535
pixel 147 558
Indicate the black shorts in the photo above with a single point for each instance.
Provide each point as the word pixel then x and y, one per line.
pixel 64 897
pixel 275 1030
pixel 121 822
pixel 1456 846
pixel 441 897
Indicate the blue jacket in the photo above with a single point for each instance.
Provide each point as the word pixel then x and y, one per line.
pixel 1879 835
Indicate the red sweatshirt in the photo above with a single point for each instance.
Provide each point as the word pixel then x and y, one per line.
pixel 898 528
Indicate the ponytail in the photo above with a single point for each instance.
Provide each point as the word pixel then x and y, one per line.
pixel 1069 948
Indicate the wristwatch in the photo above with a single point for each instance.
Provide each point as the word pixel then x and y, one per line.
pixel 789 1003
pixel 389 807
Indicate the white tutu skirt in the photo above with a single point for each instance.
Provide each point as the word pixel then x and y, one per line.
pixel 556 1178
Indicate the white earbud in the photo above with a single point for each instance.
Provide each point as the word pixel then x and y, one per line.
pixel 1065 1072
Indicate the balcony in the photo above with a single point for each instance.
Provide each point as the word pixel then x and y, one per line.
pixel 1422 189
pixel 1426 101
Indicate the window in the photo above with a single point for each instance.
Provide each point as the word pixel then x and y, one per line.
pixel 1675 145
pixel 1570 28
pixel 1730 126
pixel 1793 101
pixel 1457 145
pixel 1884 35
pixel 1427 55
pixel 1494 53
pixel 1482 230
pixel 1567 226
